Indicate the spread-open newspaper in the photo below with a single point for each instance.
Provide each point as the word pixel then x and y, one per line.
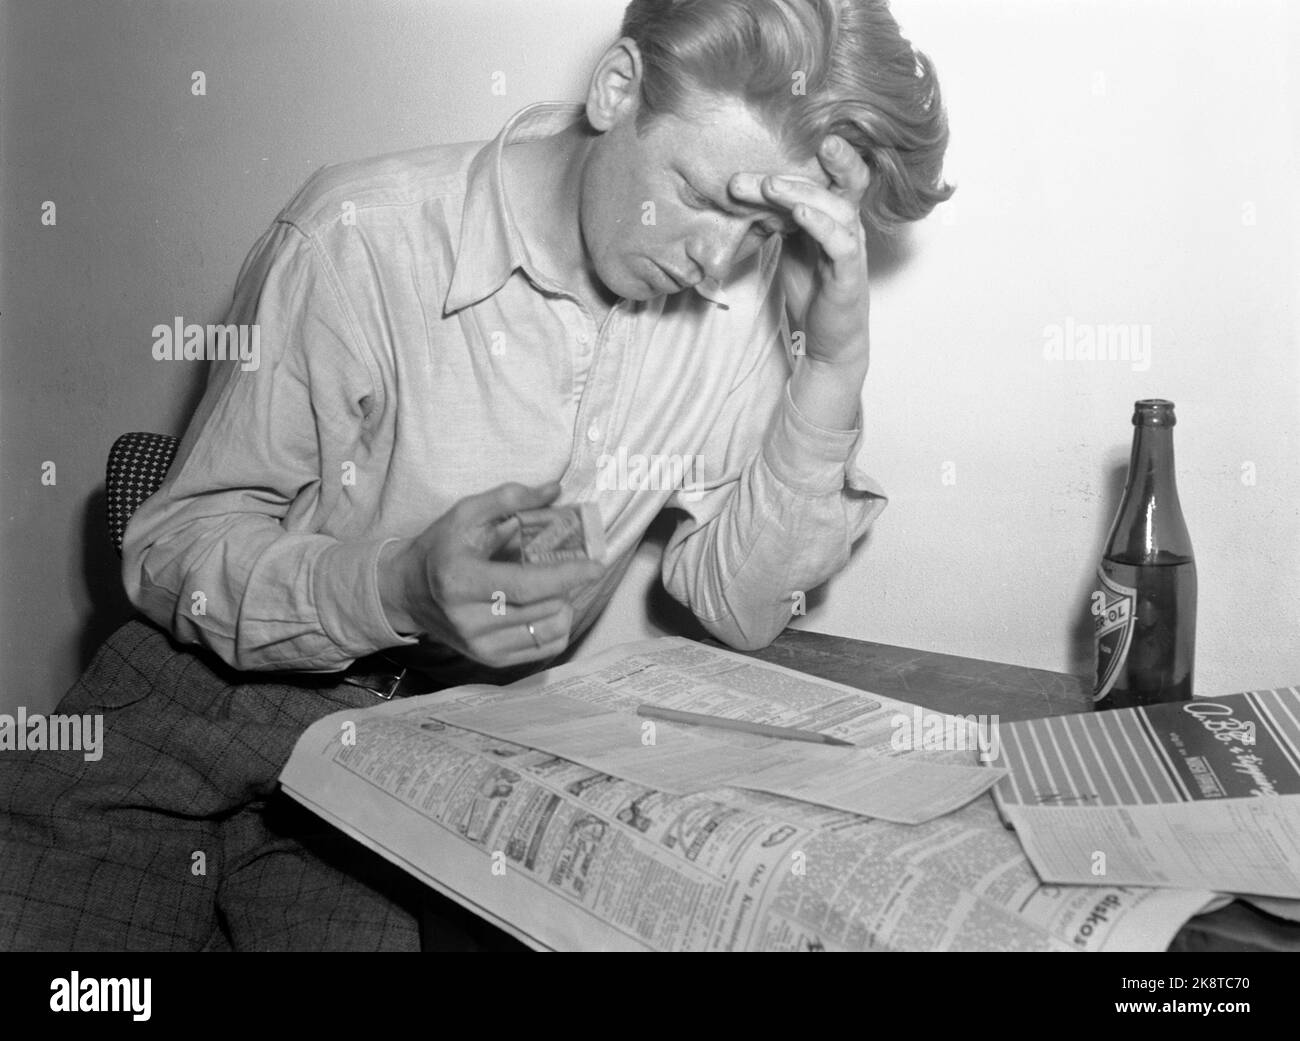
pixel 552 809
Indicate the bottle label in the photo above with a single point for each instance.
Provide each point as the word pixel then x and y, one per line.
pixel 1113 610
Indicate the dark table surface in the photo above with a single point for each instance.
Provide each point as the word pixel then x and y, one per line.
pixel 942 682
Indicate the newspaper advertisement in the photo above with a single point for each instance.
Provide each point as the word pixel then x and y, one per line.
pixel 1201 794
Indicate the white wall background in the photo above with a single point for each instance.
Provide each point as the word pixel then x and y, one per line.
pixel 1117 162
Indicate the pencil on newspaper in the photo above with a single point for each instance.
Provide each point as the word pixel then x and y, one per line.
pixel 674 715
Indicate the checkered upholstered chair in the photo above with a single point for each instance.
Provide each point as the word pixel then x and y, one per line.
pixel 137 464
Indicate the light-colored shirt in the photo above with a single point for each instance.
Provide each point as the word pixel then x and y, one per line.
pixel 411 354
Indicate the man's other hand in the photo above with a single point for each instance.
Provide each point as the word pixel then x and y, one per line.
pixel 444 583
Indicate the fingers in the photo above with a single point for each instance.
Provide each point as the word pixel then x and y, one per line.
pixel 490 615
pixel 828 218
pixel 847 171
pixel 532 583
pixel 501 538
pixel 848 175
pixel 496 504
pixel 838 233
pixel 453 592
pixel 549 637
pixel 488 521
pixel 472 582
pixel 527 634
pixel 788 192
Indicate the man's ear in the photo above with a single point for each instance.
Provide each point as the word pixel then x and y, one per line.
pixel 614 93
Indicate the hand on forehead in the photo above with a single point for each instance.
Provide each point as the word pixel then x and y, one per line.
pixel 836 169
pixel 742 155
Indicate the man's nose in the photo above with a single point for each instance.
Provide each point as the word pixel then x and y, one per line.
pixel 716 246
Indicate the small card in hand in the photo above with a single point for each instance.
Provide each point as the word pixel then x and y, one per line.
pixel 554 534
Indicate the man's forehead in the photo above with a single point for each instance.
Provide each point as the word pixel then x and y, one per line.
pixel 722 137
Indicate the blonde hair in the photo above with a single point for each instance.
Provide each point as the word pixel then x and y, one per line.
pixel 810 68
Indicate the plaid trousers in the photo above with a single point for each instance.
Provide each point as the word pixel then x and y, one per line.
pixel 105 855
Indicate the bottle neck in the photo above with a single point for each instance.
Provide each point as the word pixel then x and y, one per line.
pixel 1149 527
pixel 1151 463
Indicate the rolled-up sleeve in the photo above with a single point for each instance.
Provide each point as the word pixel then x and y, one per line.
pixel 778 516
pixel 226 553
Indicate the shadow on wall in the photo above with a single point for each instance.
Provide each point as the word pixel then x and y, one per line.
pixel 887 254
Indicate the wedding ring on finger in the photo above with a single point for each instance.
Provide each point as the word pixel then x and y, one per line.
pixel 533 633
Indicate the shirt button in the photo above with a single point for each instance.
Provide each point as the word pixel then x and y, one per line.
pixel 593 433
pixel 583 338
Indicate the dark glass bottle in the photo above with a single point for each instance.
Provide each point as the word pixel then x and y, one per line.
pixel 1144 608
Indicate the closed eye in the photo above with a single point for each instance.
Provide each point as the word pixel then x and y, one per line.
pixel 772 226
pixel 696 199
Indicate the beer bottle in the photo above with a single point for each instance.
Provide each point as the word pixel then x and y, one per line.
pixel 1144 609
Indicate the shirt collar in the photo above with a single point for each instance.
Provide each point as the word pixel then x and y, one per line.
pixel 490 248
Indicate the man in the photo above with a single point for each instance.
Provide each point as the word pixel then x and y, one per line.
pixel 676 270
